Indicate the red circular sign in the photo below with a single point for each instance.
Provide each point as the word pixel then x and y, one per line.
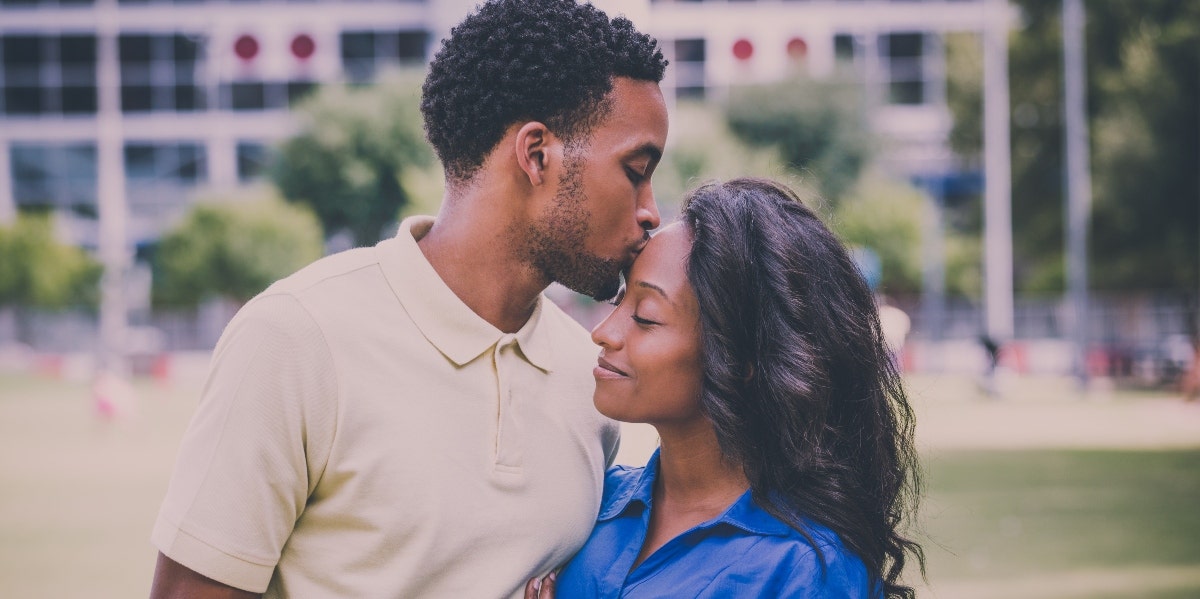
pixel 797 47
pixel 246 47
pixel 303 46
pixel 743 49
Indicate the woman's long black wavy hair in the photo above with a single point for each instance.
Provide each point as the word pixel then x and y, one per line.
pixel 797 380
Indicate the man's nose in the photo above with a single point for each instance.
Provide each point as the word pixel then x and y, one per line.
pixel 647 213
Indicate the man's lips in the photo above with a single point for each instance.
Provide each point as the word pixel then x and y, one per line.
pixel 605 369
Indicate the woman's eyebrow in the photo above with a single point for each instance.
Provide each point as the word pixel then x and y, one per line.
pixel 655 288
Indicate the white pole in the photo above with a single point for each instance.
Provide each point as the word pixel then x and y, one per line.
pixel 998 263
pixel 8 203
pixel 8 217
pixel 1078 178
pixel 113 206
pixel 933 272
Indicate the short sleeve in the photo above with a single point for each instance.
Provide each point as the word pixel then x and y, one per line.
pixel 255 448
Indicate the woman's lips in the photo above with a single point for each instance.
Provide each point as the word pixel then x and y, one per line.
pixel 605 370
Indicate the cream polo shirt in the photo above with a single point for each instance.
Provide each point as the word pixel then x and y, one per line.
pixel 363 433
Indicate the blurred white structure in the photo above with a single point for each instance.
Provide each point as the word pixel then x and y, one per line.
pixel 199 90
pixel 205 85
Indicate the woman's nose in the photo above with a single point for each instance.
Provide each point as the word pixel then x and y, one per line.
pixel 605 334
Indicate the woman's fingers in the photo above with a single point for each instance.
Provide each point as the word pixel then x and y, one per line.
pixel 532 588
pixel 541 588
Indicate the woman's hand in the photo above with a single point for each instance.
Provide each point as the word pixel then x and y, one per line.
pixel 541 588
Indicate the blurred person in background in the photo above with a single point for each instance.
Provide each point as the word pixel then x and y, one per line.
pixel 747 337
pixel 895 325
pixel 414 419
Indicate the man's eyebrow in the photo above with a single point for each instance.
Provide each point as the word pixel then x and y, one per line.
pixel 655 288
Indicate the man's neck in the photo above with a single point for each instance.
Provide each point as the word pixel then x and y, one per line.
pixel 470 249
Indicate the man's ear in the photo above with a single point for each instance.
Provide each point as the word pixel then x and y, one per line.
pixel 535 148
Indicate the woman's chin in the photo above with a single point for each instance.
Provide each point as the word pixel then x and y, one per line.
pixel 611 406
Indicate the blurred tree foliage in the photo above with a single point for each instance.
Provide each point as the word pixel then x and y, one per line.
pixel 348 159
pixel 878 213
pixel 702 148
pixel 885 217
pixel 232 249
pixel 36 271
pixel 1143 72
pixel 818 127
pixel 1144 60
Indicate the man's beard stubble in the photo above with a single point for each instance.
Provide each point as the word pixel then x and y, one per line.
pixel 556 242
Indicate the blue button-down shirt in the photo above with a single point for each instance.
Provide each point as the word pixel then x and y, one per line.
pixel 744 552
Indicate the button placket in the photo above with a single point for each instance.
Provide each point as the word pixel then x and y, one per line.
pixel 509 451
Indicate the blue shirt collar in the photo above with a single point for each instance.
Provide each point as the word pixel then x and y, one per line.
pixel 638 488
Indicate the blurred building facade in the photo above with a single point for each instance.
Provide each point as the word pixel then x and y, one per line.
pixel 205 86
pixel 204 89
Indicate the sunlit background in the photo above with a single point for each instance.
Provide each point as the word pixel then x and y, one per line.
pixel 1019 181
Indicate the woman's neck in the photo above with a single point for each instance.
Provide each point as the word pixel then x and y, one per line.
pixel 693 473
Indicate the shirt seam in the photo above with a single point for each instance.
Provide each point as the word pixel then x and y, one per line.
pixel 208 469
pixel 337 399
pixel 188 530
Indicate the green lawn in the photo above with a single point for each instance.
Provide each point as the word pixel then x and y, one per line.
pixel 1063 523
pixel 78 496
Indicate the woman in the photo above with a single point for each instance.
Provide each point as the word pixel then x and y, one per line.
pixel 748 338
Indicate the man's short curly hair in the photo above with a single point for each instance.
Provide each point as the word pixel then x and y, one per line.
pixel 513 60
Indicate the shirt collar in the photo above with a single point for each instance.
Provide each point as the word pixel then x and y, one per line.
pixel 448 323
pixel 637 486
pixel 744 514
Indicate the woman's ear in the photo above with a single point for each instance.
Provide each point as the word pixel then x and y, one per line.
pixel 534 150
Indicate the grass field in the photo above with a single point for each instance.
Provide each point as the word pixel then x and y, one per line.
pixel 1063 523
pixel 1040 495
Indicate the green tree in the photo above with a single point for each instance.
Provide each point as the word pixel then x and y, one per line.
pixel 1143 73
pixel 36 271
pixel 1144 69
pixel 818 127
pixel 232 249
pixel 885 217
pixel 348 159
pixel 703 148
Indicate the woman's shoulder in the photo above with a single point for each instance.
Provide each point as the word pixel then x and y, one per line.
pixel 821 561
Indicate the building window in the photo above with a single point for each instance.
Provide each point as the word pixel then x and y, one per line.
pixel 364 53
pixel 264 95
pixel 253 158
pixel 160 176
pixel 904 63
pixel 43 3
pixel 54 176
pixel 162 73
pixel 47 74
pixel 689 62
pixel 844 49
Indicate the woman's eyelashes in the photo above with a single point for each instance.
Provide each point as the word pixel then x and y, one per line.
pixel 645 322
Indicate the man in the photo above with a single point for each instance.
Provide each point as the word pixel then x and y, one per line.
pixel 415 419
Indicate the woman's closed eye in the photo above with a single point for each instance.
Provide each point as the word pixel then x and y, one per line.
pixel 646 322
